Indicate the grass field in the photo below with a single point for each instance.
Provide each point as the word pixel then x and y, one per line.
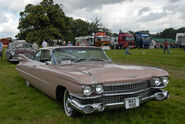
pixel 26 105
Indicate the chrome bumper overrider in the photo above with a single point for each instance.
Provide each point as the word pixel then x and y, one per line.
pixel 14 59
pixel 99 107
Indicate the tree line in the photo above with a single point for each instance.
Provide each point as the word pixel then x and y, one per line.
pixel 166 33
pixel 47 21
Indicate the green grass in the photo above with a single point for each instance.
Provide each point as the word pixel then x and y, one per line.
pixel 26 105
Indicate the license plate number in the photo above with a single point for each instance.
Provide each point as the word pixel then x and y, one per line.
pixel 131 103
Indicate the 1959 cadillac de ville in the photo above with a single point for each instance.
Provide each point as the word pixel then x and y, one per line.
pixel 86 80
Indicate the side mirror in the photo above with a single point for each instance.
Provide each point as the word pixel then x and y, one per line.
pixel 48 63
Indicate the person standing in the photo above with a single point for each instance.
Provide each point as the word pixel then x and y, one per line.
pixel 55 43
pixel 1 50
pixel 64 43
pixel 127 48
pixel 44 44
pixel 166 46
pixel 35 46
pixel 69 43
pixel 60 43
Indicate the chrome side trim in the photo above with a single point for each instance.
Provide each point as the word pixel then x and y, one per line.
pixel 34 77
pixel 159 87
pixel 114 104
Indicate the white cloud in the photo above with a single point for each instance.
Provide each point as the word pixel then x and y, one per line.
pixel 174 1
pixel 143 10
pixel 88 5
pixel 9 13
pixel 135 15
pixel 127 15
pixel 152 16
pixel 9 28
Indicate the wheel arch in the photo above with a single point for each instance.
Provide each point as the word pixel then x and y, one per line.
pixel 60 93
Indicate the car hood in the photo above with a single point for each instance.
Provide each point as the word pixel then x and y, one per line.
pixel 24 51
pixel 92 73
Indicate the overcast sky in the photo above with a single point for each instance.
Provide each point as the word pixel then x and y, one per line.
pixel 152 15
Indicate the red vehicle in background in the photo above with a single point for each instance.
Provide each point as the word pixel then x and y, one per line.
pixel 5 41
pixel 125 37
pixel 102 40
pixel 84 41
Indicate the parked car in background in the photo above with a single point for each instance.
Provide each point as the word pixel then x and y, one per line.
pixel 85 79
pixel 180 40
pixel 18 47
pixel 102 40
pixel 142 40
pixel 84 41
pixel 126 37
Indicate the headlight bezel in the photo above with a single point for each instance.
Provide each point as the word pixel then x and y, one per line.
pixel 99 86
pixel 85 88
pixel 161 81
pixel 165 78
pixel 93 88
pixel 13 53
pixel 157 81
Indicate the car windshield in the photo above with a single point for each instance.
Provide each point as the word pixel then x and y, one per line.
pixel 146 38
pixel 75 55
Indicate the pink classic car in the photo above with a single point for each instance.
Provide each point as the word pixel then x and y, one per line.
pixel 86 81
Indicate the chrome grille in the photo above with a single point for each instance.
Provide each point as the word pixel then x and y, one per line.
pixel 115 98
pixel 122 88
pixel 120 98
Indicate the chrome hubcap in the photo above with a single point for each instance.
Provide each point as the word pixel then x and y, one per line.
pixel 67 107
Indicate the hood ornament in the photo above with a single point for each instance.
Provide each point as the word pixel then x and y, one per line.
pixel 91 75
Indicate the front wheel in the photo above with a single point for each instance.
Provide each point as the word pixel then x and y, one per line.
pixel 67 108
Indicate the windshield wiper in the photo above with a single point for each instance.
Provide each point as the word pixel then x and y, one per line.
pixel 98 59
pixel 79 60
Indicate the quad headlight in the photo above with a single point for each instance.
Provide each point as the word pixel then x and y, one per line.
pixel 13 53
pixel 165 80
pixel 161 80
pixel 157 81
pixel 87 90
pixel 99 89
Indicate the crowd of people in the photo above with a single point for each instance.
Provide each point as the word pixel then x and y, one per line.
pixel 165 46
pixel 60 43
pixel 35 46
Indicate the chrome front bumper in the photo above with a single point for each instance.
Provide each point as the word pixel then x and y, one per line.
pixel 99 107
pixel 14 59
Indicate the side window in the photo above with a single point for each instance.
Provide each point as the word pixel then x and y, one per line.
pixel 37 56
pixel 45 56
